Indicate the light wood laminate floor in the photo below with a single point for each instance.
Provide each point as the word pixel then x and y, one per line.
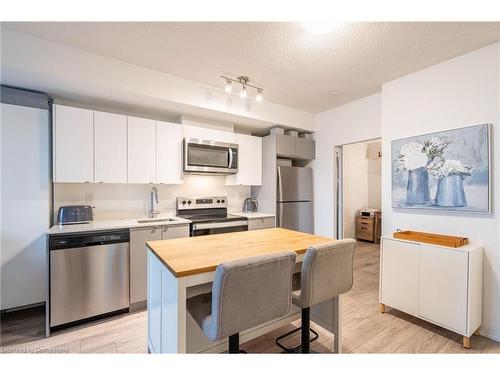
pixel 365 330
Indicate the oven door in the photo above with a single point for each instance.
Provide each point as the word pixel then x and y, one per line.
pixel 203 229
pixel 211 157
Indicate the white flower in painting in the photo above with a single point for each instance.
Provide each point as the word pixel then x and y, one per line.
pixel 412 156
pixel 449 168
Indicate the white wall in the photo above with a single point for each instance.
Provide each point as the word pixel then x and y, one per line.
pixel 460 92
pixel 114 201
pixel 362 181
pixel 353 122
pixel 76 75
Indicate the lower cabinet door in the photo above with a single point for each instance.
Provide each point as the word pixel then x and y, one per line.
pixel 260 223
pixel 443 287
pixel 139 261
pixel 399 275
pixel 169 232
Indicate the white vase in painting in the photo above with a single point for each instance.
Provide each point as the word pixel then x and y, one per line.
pixel 417 191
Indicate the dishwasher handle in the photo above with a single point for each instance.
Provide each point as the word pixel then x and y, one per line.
pixel 88 239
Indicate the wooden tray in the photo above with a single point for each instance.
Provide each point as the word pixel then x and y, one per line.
pixel 432 238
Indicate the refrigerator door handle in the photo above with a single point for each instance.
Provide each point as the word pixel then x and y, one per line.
pixel 280 186
pixel 280 215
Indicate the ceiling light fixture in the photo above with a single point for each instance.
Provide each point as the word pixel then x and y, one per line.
pixel 228 87
pixel 243 81
pixel 321 27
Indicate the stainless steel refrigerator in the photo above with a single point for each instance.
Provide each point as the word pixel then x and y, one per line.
pixel 294 206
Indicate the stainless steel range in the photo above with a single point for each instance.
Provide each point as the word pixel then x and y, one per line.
pixel 209 216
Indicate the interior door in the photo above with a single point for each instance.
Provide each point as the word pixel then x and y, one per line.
pixel 296 216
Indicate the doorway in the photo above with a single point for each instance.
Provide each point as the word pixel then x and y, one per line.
pixel 359 190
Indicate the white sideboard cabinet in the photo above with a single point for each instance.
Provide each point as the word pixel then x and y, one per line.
pixel 439 284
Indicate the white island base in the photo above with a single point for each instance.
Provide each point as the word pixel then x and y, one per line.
pixel 172 330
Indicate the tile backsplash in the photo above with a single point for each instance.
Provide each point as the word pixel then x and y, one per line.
pixel 116 201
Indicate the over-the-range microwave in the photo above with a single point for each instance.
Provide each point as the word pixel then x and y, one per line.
pixel 210 157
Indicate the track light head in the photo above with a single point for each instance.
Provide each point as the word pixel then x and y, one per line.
pixel 228 87
pixel 258 98
pixel 243 92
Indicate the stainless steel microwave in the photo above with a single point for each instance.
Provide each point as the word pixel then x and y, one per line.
pixel 210 157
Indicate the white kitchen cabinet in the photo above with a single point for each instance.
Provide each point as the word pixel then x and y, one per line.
pixel 110 147
pixel 304 148
pixel 249 161
pixel 261 223
pixel 168 153
pixel 208 134
pixel 400 263
pixel 139 256
pixel 138 261
pixel 439 284
pixel 141 150
pixel 296 148
pixel 73 144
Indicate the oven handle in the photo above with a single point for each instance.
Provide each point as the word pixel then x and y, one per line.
pixel 226 224
pixel 230 157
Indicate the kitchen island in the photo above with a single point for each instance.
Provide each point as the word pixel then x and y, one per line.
pixel 184 267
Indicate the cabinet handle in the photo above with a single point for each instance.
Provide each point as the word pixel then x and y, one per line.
pixel 87 182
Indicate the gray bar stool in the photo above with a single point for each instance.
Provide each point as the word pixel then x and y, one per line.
pixel 327 272
pixel 245 293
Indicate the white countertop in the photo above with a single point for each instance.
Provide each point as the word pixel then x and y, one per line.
pixel 251 215
pixel 132 223
pixel 113 224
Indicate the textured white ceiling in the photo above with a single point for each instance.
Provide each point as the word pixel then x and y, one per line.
pixel 296 68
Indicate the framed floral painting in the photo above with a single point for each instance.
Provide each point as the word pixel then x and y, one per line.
pixel 449 170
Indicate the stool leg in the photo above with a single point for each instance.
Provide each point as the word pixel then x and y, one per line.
pixel 234 343
pixel 306 322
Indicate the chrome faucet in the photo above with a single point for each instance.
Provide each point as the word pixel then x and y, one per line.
pixel 154 196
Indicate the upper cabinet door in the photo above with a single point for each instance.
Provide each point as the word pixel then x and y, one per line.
pixel 304 148
pixel 249 161
pixel 73 144
pixel 285 145
pixel 169 153
pixel 141 150
pixel 110 142
pixel 208 134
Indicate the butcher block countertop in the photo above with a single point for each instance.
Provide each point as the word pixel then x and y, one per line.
pixel 195 255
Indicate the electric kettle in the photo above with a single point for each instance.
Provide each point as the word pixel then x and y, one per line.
pixel 250 205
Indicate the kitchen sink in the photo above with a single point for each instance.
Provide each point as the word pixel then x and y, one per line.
pixel 165 220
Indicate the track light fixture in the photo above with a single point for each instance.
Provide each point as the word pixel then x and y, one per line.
pixel 243 81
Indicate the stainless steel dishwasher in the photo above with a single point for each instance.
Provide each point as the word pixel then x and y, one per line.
pixel 89 276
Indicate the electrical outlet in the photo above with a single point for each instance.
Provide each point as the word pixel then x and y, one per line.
pixel 89 199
